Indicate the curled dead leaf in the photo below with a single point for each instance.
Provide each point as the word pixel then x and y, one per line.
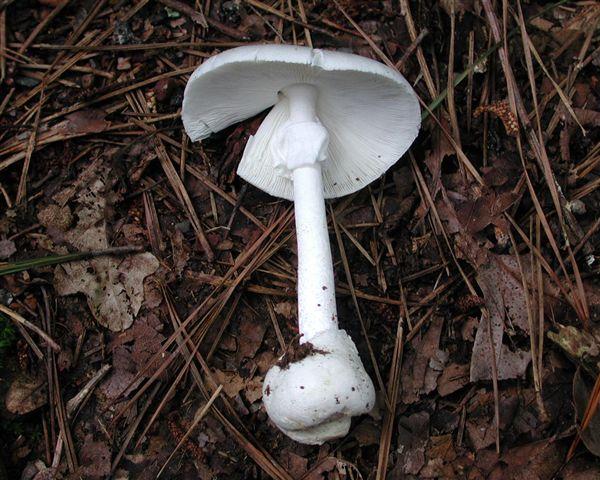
pixel 25 395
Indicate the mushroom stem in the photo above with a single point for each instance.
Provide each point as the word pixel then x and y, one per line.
pixel 316 288
pixel 313 398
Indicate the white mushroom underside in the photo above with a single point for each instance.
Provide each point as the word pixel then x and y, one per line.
pixel 369 110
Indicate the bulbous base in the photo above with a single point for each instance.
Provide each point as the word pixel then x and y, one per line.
pixel 313 400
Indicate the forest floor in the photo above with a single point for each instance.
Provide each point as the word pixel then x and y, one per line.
pixel 145 289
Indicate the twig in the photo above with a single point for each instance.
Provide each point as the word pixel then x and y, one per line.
pixel 21 265
pixel 77 400
pixel 394 388
pixel 26 323
pixel 31 144
pixel 197 419
pixel 411 48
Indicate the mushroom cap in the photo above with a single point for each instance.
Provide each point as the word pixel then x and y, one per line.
pixel 370 111
pixel 313 400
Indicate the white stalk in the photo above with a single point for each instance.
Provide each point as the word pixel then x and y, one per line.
pixel 316 287
pixel 313 400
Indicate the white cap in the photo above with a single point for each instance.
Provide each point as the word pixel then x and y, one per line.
pixel 369 110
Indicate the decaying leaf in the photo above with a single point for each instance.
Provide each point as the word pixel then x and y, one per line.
pixel 84 121
pixel 114 286
pixel 231 381
pixel 581 396
pixel 7 248
pixel 25 395
pixel 286 309
pixel 579 345
pixel 504 299
pixel 453 378
pixel 95 459
pixel 294 464
pixel 132 352
pixel 252 331
pixel 413 433
pixel 420 368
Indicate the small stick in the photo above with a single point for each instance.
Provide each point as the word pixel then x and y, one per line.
pixel 411 48
pixel 78 399
pixel 15 267
pixel 197 419
pixel 31 145
pixel 19 320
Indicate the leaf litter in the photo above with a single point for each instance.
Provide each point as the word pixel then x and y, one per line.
pixel 436 252
pixel 114 287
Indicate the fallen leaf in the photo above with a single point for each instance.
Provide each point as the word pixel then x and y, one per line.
pixel 286 309
pixel 252 331
pixel 537 460
pixel 367 433
pixel 232 383
pixel 580 468
pixel 56 217
pixel 114 286
pixel 504 298
pixel 132 351
pixel 481 433
pixel 475 215
pixel 581 396
pixel 294 464
pixel 323 466
pixel 95 459
pixel 453 378
pixel 84 121
pixel 418 377
pixel 181 251
pixel 26 394
pixel 413 434
pixel 253 389
pixel 581 346
pixel 7 248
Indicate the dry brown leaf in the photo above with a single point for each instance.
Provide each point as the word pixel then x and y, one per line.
pixel 83 121
pixel 252 331
pixel 413 434
pixel 95 459
pixel 581 396
pixel 504 298
pixel 181 251
pixel 481 433
pixel 286 309
pixel 7 248
pixel 114 286
pixel 453 378
pixel 253 389
pixel 26 394
pixel 232 383
pixel 294 464
pixel 418 369
pixel 367 433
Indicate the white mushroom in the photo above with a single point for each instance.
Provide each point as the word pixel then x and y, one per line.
pixel 338 121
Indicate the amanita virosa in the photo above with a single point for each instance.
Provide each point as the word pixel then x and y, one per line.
pixel 337 122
